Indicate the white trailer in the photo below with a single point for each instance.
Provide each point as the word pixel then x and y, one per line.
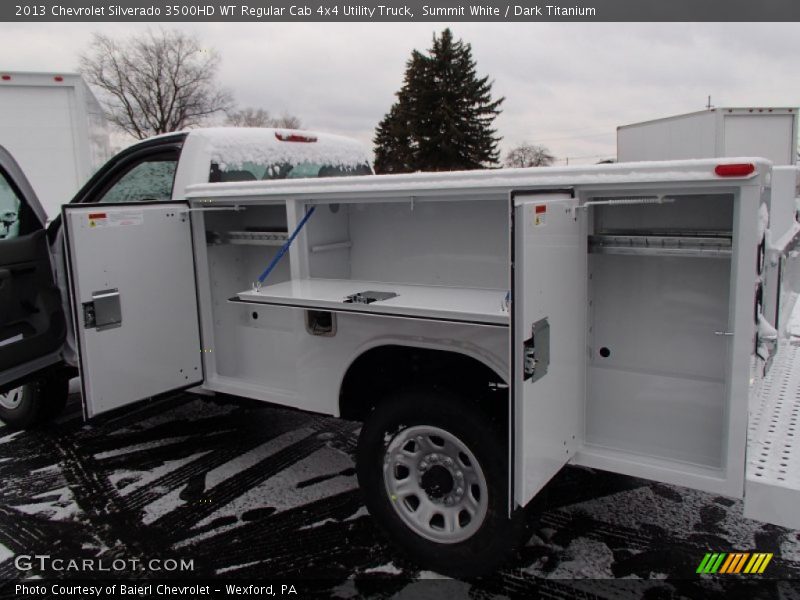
pixel 487 327
pixel 56 130
pixel 770 132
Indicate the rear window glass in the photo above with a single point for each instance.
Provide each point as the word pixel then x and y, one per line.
pixel 250 171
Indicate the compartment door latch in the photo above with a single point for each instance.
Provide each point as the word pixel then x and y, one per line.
pixel 104 311
pixel 536 351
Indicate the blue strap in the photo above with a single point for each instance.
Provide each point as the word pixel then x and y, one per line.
pixel 286 245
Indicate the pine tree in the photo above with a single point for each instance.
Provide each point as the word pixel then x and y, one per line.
pixel 443 116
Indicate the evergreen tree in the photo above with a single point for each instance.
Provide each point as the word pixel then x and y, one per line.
pixel 443 116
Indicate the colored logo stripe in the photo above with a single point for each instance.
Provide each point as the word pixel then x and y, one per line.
pixel 734 562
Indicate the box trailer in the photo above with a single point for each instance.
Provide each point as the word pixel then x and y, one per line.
pixel 488 328
pixel 55 128
pixel 717 132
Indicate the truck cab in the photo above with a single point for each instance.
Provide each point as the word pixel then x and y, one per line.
pixel 37 344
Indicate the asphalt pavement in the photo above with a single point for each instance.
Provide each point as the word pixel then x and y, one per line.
pixel 248 490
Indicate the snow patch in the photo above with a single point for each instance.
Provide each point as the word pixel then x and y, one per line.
pixel 388 568
pixel 58 506
pixel 232 147
pixel 281 491
pixel 142 478
pixel 5 553
pixel 164 505
pixel 244 461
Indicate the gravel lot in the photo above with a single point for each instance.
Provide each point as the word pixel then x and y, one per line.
pixel 251 490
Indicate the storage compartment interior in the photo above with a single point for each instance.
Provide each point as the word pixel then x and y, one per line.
pixel 436 259
pixel 659 286
pixel 251 344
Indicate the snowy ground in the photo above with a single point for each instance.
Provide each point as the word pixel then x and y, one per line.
pixel 248 490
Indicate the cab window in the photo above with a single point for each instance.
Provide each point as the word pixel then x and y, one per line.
pixel 148 180
pixel 251 171
pixel 16 218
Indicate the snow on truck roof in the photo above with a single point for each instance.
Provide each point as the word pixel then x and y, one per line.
pixel 485 181
pixel 231 147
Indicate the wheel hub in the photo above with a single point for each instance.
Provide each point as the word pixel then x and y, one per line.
pixel 11 399
pixel 435 484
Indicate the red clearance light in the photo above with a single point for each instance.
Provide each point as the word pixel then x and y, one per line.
pixel 735 170
pixel 58 78
pixel 294 137
pixel 6 78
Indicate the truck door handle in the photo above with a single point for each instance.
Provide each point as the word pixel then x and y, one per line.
pixel 725 333
pixel 104 311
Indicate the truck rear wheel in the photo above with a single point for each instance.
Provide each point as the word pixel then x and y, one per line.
pixel 434 475
pixel 33 403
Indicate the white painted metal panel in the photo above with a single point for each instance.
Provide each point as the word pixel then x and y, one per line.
pixel 550 269
pixel 144 252
pixel 38 129
pixel 760 134
pixel 435 302
pixel 687 136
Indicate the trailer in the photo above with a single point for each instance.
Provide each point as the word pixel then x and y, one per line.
pixel 770 132
pixel 56 129
pixel 487 328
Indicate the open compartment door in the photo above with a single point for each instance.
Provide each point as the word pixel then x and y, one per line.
pixel 134 301
pixel 549 270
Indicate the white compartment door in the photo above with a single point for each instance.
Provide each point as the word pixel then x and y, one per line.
pixel 549 270
pixel 134 301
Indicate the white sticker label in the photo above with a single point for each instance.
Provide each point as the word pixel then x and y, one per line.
pixel 116 218
pixel 539 215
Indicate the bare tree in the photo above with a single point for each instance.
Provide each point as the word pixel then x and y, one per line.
pixel 529 155
pixel 157 82
pixel 258 117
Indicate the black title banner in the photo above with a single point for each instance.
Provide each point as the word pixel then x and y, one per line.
pixel 399 10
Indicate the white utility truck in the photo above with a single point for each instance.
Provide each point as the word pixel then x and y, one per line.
pixel 56 130
pixel 487 327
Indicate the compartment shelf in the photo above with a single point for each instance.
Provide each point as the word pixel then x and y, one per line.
pixel 468 305
pixel 706 246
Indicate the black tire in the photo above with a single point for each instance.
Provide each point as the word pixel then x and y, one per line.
pixel 35 402
pixel 497 535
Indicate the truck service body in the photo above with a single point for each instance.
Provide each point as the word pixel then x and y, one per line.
pixel 488 327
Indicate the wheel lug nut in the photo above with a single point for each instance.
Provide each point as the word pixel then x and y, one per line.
pixel 459 490
pixel 459 474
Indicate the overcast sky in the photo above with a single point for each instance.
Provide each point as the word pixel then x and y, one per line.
pixel 567 86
